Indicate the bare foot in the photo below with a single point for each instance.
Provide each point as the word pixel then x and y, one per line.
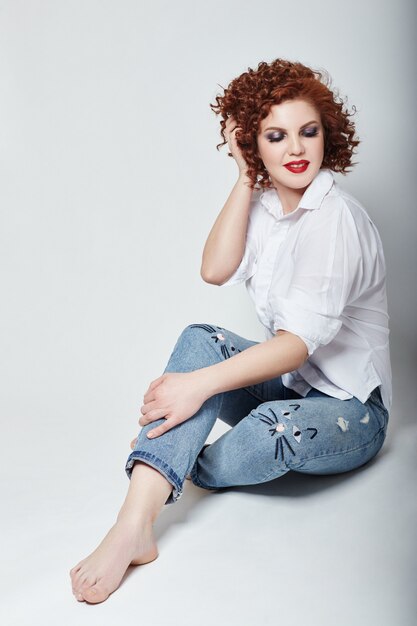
pixel 97 576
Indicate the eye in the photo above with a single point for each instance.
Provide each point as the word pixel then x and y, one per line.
pixel 312 131
pixel 296 433
pixel 275 137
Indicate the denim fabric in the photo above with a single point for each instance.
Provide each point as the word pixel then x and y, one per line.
pixel 274 429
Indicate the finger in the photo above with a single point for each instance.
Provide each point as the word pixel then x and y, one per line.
pixel 155 383
pixel 230 122
pixel 230 142
pixel 163 428
pixel 232 138
pixel 148 406
pixel 149 396
pixel 152 416
pixel 230 135
pixel 133 443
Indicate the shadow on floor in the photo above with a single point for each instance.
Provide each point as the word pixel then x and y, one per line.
pixel 297 484
pixel 291 485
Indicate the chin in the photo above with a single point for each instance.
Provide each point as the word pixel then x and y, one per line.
pixel 301 183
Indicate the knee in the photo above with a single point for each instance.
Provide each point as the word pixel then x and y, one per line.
pixel 278 411
pixel 198 333
pixel 282 422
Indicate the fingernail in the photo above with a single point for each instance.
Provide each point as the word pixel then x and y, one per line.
pixel 150 435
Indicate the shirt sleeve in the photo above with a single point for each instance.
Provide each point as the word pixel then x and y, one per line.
pixel 248 264
pixel 326 262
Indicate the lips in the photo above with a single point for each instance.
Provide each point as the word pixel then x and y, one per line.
pixel 297 167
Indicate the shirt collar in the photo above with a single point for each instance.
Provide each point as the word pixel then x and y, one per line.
pixel 312 198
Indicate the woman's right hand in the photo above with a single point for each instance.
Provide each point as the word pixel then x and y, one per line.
pixel 225 245
pixel 230 135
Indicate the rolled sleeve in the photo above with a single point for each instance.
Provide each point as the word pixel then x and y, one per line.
pixel 246 269
pixel 313 328
pixel 324 269
pixel 248 264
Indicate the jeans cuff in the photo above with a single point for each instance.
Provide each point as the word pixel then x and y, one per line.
pixel 193 473
pixel 162 467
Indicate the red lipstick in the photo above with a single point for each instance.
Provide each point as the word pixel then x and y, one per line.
pixel 297 167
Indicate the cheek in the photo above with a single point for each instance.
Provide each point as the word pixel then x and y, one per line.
pixel 261 152
pixel 321 147
pixel 319 151
pixel 268 151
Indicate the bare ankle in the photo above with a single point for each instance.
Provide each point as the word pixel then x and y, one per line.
pixel 138 519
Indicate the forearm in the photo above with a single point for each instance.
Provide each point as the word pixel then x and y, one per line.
pixel 283 353
pixel 178 396
pixel 225 244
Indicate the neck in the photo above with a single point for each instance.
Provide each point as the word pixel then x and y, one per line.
pixel 289 198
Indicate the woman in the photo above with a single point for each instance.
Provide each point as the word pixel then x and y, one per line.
pixel 315 396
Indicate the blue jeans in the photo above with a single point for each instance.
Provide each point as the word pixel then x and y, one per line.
pixel 274 429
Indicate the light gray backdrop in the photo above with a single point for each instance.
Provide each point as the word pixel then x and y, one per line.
pixel 110 182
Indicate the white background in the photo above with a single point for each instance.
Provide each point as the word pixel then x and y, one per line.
pixel 110 182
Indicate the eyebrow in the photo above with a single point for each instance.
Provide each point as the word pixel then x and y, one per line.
pixel 283 129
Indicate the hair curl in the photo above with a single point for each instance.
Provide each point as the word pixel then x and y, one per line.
pixel 250 96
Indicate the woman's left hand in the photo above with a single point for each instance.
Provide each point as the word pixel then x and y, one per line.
pixel 174 396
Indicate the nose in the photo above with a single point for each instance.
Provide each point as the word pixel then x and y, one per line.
pixel 295 145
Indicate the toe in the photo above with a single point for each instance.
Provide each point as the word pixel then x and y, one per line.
pixel 79 580
pixel 74 570
pixel 96 593
pixel 88 580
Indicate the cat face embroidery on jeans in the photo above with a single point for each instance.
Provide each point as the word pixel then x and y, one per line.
pixel 219 338
pixel 277 428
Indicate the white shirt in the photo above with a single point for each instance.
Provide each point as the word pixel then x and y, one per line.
pixel 319 272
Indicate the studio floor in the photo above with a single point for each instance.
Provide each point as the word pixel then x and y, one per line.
pixel 313 550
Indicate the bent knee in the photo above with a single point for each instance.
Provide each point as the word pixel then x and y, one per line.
pixel 292 438
pixel 200 332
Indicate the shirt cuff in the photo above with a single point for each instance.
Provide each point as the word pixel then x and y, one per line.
pixel 315 329
pixel 246 269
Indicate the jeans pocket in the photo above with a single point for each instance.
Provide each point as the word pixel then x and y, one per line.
pixel 379 408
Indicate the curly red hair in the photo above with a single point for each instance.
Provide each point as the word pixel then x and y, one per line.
pixel 249 98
